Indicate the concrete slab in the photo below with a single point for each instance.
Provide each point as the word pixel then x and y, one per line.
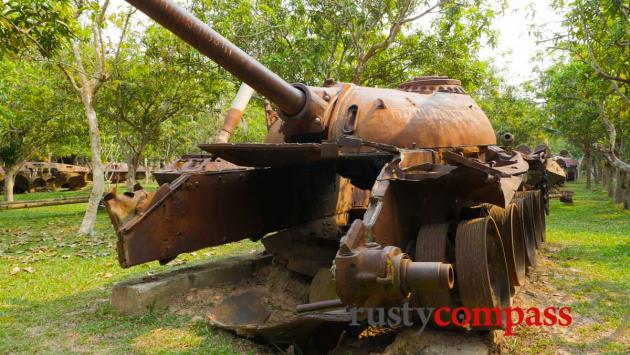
pixel 138 296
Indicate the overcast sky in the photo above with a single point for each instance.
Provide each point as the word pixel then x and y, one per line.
pixel 516 46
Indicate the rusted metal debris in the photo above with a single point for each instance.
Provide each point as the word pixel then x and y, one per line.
pixel 118 172
pixel 40 176
pixel 191 164
pixel 571 166
pixel 566 196
pixel 403 194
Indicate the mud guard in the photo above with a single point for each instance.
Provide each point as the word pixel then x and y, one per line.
pixel 209 209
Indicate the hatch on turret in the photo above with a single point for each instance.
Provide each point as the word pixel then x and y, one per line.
pixel 431 84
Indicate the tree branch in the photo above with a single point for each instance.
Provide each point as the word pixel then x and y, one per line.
pixel 596 66
pixel 612 134
pixel 122 37
pixel 69 77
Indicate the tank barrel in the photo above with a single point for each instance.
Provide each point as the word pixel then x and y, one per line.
pixel 167 13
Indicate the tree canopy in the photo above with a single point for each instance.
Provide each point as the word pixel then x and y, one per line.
pixel 157 98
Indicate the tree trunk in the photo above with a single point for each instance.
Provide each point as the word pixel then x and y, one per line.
pixel 98 178
pixel 609 180
pixel 619 187
pixel 147 171
pixel 132 166
pixel 357 77
pixel 587 165
pixel 9 183
pixel 597 171
pixel 626 195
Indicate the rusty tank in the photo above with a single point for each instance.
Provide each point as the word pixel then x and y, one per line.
pixel 191 164
pixel 117 172
pixel 403 195
pixel 48 176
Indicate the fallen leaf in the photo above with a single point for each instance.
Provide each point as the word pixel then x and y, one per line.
pixel 15 270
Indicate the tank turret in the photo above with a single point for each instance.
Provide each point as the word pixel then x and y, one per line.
pixel 427 112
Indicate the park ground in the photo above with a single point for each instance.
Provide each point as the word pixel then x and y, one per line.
pixel 55 286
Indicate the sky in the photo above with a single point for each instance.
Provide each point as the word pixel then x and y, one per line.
pixel 516 47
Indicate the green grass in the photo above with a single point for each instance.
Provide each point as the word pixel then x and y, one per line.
pixel 62 305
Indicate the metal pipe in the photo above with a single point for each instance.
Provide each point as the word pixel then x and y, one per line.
pixel 234 114
pixel 288 98
pixel 308 307
pixel 424 275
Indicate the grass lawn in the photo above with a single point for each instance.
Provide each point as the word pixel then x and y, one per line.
pixel 58 300
pixel 585 265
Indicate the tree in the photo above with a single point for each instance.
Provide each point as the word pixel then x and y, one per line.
pixel 42 25
pixel 512 111
pixel 598 36
pixel 86 76
pixel 33 112
pixel 368 42
pixel 567 89
pixel 154 82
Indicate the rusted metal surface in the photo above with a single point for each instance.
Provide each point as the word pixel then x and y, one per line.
pixel 482 274
pixel 534 204
pixel 510 225
pixel 408 119
pixel 201 210
pixel 191 165
pixel 570 166
pixel 525 211
pixel 307 248
pixel 369 274
pixel 117 172
pixel 434 243
pixel 247 315
pixel 566 196
pixel 316 306
pixel 280 154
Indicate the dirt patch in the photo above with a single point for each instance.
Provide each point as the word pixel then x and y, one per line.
pixel 546 287
pixel 281 290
